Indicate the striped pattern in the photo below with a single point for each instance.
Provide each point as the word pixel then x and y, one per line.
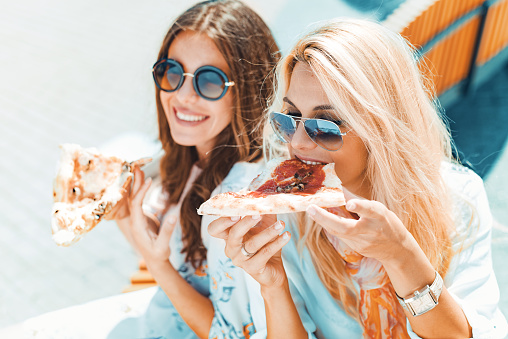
pixel 448 62
pixel 495 32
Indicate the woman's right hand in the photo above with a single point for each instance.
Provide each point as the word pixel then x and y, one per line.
pixel 121 208
pixel 151 240
pixel 260 236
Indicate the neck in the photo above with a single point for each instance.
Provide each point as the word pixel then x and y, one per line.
pixel 201 161
pixel 204 150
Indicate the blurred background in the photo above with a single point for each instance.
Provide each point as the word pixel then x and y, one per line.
pixel 80 72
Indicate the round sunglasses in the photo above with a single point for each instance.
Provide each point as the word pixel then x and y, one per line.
pixel 209 82
pixel 324 133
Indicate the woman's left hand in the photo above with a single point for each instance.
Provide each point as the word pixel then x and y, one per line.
pixel 378 233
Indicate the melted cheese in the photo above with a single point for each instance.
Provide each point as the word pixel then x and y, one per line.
pixel 87 183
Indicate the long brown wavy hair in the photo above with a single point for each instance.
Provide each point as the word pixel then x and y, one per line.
pixel 247 45
pixel 371 74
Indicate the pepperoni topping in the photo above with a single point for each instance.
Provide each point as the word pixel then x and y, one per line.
pixel 293 176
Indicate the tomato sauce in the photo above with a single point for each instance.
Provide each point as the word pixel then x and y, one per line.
pixel 293 176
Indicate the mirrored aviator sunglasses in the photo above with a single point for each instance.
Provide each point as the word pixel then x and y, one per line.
pixel 209 82
pixel 324 133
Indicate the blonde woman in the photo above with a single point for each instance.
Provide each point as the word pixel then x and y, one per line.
pixel 413 217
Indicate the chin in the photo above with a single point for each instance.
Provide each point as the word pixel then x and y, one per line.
pixel 185 140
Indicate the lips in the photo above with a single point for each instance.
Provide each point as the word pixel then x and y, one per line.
pixel 185 116
pixel 309 161
pixel 189 117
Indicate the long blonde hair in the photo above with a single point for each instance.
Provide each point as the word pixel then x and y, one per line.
pixel 372 75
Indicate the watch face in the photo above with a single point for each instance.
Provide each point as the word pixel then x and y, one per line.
pixel 422 303
pixel 425 299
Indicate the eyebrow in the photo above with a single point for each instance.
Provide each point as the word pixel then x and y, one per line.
pixel 317 108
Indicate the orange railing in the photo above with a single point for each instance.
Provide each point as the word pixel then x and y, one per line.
pixel 495 34
pixel 436 18
pixel 455 36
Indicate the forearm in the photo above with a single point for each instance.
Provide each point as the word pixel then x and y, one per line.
pixel 282 318
pixel 411 272
pixel 194 308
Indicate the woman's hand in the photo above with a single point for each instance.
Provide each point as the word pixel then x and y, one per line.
pixel 151 241
pixel 262 238
pixel 368 227
pixel 259 236
pixel 121 209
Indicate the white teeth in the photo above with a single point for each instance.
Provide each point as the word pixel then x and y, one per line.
pixel 190 117
pixel 311 162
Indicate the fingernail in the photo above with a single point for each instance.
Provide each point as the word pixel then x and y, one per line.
pixel 256 217
pixel 171 219
pixel 235 218
pixel 278 225
pixel 350 205
pixel 311 210
pixel 285 236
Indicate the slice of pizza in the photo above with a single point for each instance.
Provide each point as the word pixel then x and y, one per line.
pixel 87 186
pixel 285 186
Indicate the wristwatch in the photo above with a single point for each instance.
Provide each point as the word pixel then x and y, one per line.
pixel 424 299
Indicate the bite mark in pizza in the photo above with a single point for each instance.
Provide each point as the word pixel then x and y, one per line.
pixel 285 186
pixel 87 186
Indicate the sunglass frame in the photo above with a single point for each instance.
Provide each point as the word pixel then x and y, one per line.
pixel 273 116
pixel 194 77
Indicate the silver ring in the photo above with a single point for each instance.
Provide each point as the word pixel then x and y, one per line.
pixel 245 252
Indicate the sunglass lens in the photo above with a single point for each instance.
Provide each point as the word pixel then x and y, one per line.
pixel 173 77
pixel 210 84
pixel 324 133
pixel 283 125
pixel 168 76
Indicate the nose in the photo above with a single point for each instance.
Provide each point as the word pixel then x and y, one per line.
pixel 186 93
pixel 301 140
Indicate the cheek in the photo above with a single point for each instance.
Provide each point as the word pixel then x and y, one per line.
pixel 224 111
pixel 165 98
pixel 350 169
pixel 351 160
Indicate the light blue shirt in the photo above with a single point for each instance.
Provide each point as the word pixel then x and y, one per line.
pixel 228 284
pixel 470 278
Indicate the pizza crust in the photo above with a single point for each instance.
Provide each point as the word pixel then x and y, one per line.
pixel 87 186
pixel 244 203
pixel 239 205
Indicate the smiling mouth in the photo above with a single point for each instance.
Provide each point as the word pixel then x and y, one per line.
pixel 190 117
pixel 308 162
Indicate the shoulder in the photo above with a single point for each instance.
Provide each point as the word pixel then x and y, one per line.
pixel 461 180
pixel 465 186
pixel 470 204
